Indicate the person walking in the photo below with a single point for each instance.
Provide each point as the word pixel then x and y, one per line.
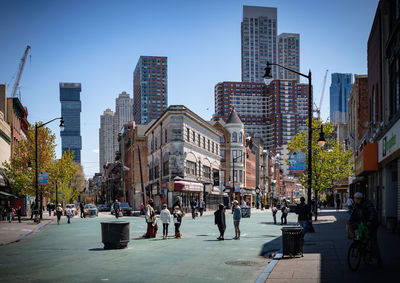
pixel 284 211
pixel 69 214
pixel 165 217
pixel 116 207
pixel 49 208
pixel 274 212
pixel 237 215
pixel 142 208
pixel 178 214
pixel 201 207
pixel 150 217
pixel 59 212
pixel 337 202
pixel 19 213
pixel 303 211
pixel 193 205
pixel 219 219
pixel 178 202
pixel 32 209
pixel 82 209
pixel 9 212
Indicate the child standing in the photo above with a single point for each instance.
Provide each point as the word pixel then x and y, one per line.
pixel 177 221
pixel 165 216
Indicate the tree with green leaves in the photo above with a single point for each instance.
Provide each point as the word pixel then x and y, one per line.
pixel 331 163
pixel 22 178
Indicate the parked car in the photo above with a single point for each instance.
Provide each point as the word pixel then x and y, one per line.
pixel 72 207
pixel 90 210
pixel 125 209
pixel 103 207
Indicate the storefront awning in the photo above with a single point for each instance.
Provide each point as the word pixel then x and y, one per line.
pixel 7 195
pixel 188 186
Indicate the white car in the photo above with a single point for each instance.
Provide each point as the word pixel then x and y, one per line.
pixel 72 207
pixel 90 210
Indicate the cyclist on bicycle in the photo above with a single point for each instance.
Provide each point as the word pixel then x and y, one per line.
pixel 364 211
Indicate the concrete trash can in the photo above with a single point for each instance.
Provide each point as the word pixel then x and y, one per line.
pixel 292 241
pixel 115 234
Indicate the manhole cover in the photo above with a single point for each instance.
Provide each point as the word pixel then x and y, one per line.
pixel 241 263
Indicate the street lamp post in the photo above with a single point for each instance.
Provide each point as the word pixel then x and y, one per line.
pixel 36 162
pixel 309 172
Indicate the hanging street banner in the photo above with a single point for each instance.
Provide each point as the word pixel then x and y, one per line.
pixel 43 178
pixel 297 162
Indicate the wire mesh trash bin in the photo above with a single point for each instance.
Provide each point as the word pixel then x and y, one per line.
pixel 292 241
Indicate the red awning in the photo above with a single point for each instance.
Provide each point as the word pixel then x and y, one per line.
pixel 188 186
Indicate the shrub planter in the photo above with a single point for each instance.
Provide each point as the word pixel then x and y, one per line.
pixel 115 234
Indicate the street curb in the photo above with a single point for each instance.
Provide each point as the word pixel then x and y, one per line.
pixel 38 228
pixel 266 272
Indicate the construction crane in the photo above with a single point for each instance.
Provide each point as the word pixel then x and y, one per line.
pixel 20 69
pixel 318 110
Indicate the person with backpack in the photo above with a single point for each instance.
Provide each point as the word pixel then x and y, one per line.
pixel 303 211
pixel 284 210
pixel 59 212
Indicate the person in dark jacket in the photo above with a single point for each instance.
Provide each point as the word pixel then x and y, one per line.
pixel 304 212
pixel 285 211
pixel 19 213
pixel 364 211
pixel 220 220
pixel 82 209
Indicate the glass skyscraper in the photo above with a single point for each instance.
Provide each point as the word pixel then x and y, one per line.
pixel 71 112
pixel 339 94
pixel 150 92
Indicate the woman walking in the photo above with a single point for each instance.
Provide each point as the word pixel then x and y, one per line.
pixel 178 214
pixel 165 216
pixel 219 216
pixel 150 216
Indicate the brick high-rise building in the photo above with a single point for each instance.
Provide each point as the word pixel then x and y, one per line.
pixel 150 92
pixel 289 55
pixel 259 42
pixel 275 112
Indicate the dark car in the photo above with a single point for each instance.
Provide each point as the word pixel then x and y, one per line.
pixel 125 208
pixel 103 207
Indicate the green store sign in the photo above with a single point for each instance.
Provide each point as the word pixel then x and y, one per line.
pixel 388 144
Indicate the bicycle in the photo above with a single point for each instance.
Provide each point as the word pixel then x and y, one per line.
pixel 359 249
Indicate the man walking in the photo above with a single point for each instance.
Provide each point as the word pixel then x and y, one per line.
pixel 304 212
pixel 32 209
pixel 82 209
pixel 19 213
pixel 201 207
pixel 9 212
pixel 193 205
pixel 237 215
pixel 116 207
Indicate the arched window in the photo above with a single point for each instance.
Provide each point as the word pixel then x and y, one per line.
pixel 222 139
pixel 240 137
pixel 234 137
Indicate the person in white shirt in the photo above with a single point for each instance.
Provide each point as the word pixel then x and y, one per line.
pixel 165 217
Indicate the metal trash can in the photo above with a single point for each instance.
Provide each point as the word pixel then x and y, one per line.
pixel 246 212
pixel 115 234
pixel 292 241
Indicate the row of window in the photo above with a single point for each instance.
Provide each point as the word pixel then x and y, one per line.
pixel 201 141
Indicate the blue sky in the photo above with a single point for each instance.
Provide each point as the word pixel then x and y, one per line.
pixel 98 43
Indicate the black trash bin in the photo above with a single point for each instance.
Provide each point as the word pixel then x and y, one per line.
pixel 115 234
pixel 292 241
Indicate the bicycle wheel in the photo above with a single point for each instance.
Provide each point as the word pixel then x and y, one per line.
pixel 353 256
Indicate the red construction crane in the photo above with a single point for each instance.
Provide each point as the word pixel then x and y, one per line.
pixel 20 69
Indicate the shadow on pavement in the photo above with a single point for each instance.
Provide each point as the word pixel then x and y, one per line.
pixel 96 249
pixel 271 246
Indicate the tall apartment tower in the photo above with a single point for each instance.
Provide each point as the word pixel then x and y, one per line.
pixel 150 89
pixel 123 114
pixel 106 138
pixel 275 112
pixel 289 55
pixel 287 111
pixel 339 94
pixel 259 42
pixel 250 103
pixel 71 109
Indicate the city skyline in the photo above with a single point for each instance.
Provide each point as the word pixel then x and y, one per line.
pixel 106 66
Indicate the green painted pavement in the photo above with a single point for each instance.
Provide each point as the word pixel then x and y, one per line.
pixel 74 252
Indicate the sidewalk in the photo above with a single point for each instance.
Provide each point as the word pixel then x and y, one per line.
pixel 15 231
pixel 325 255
